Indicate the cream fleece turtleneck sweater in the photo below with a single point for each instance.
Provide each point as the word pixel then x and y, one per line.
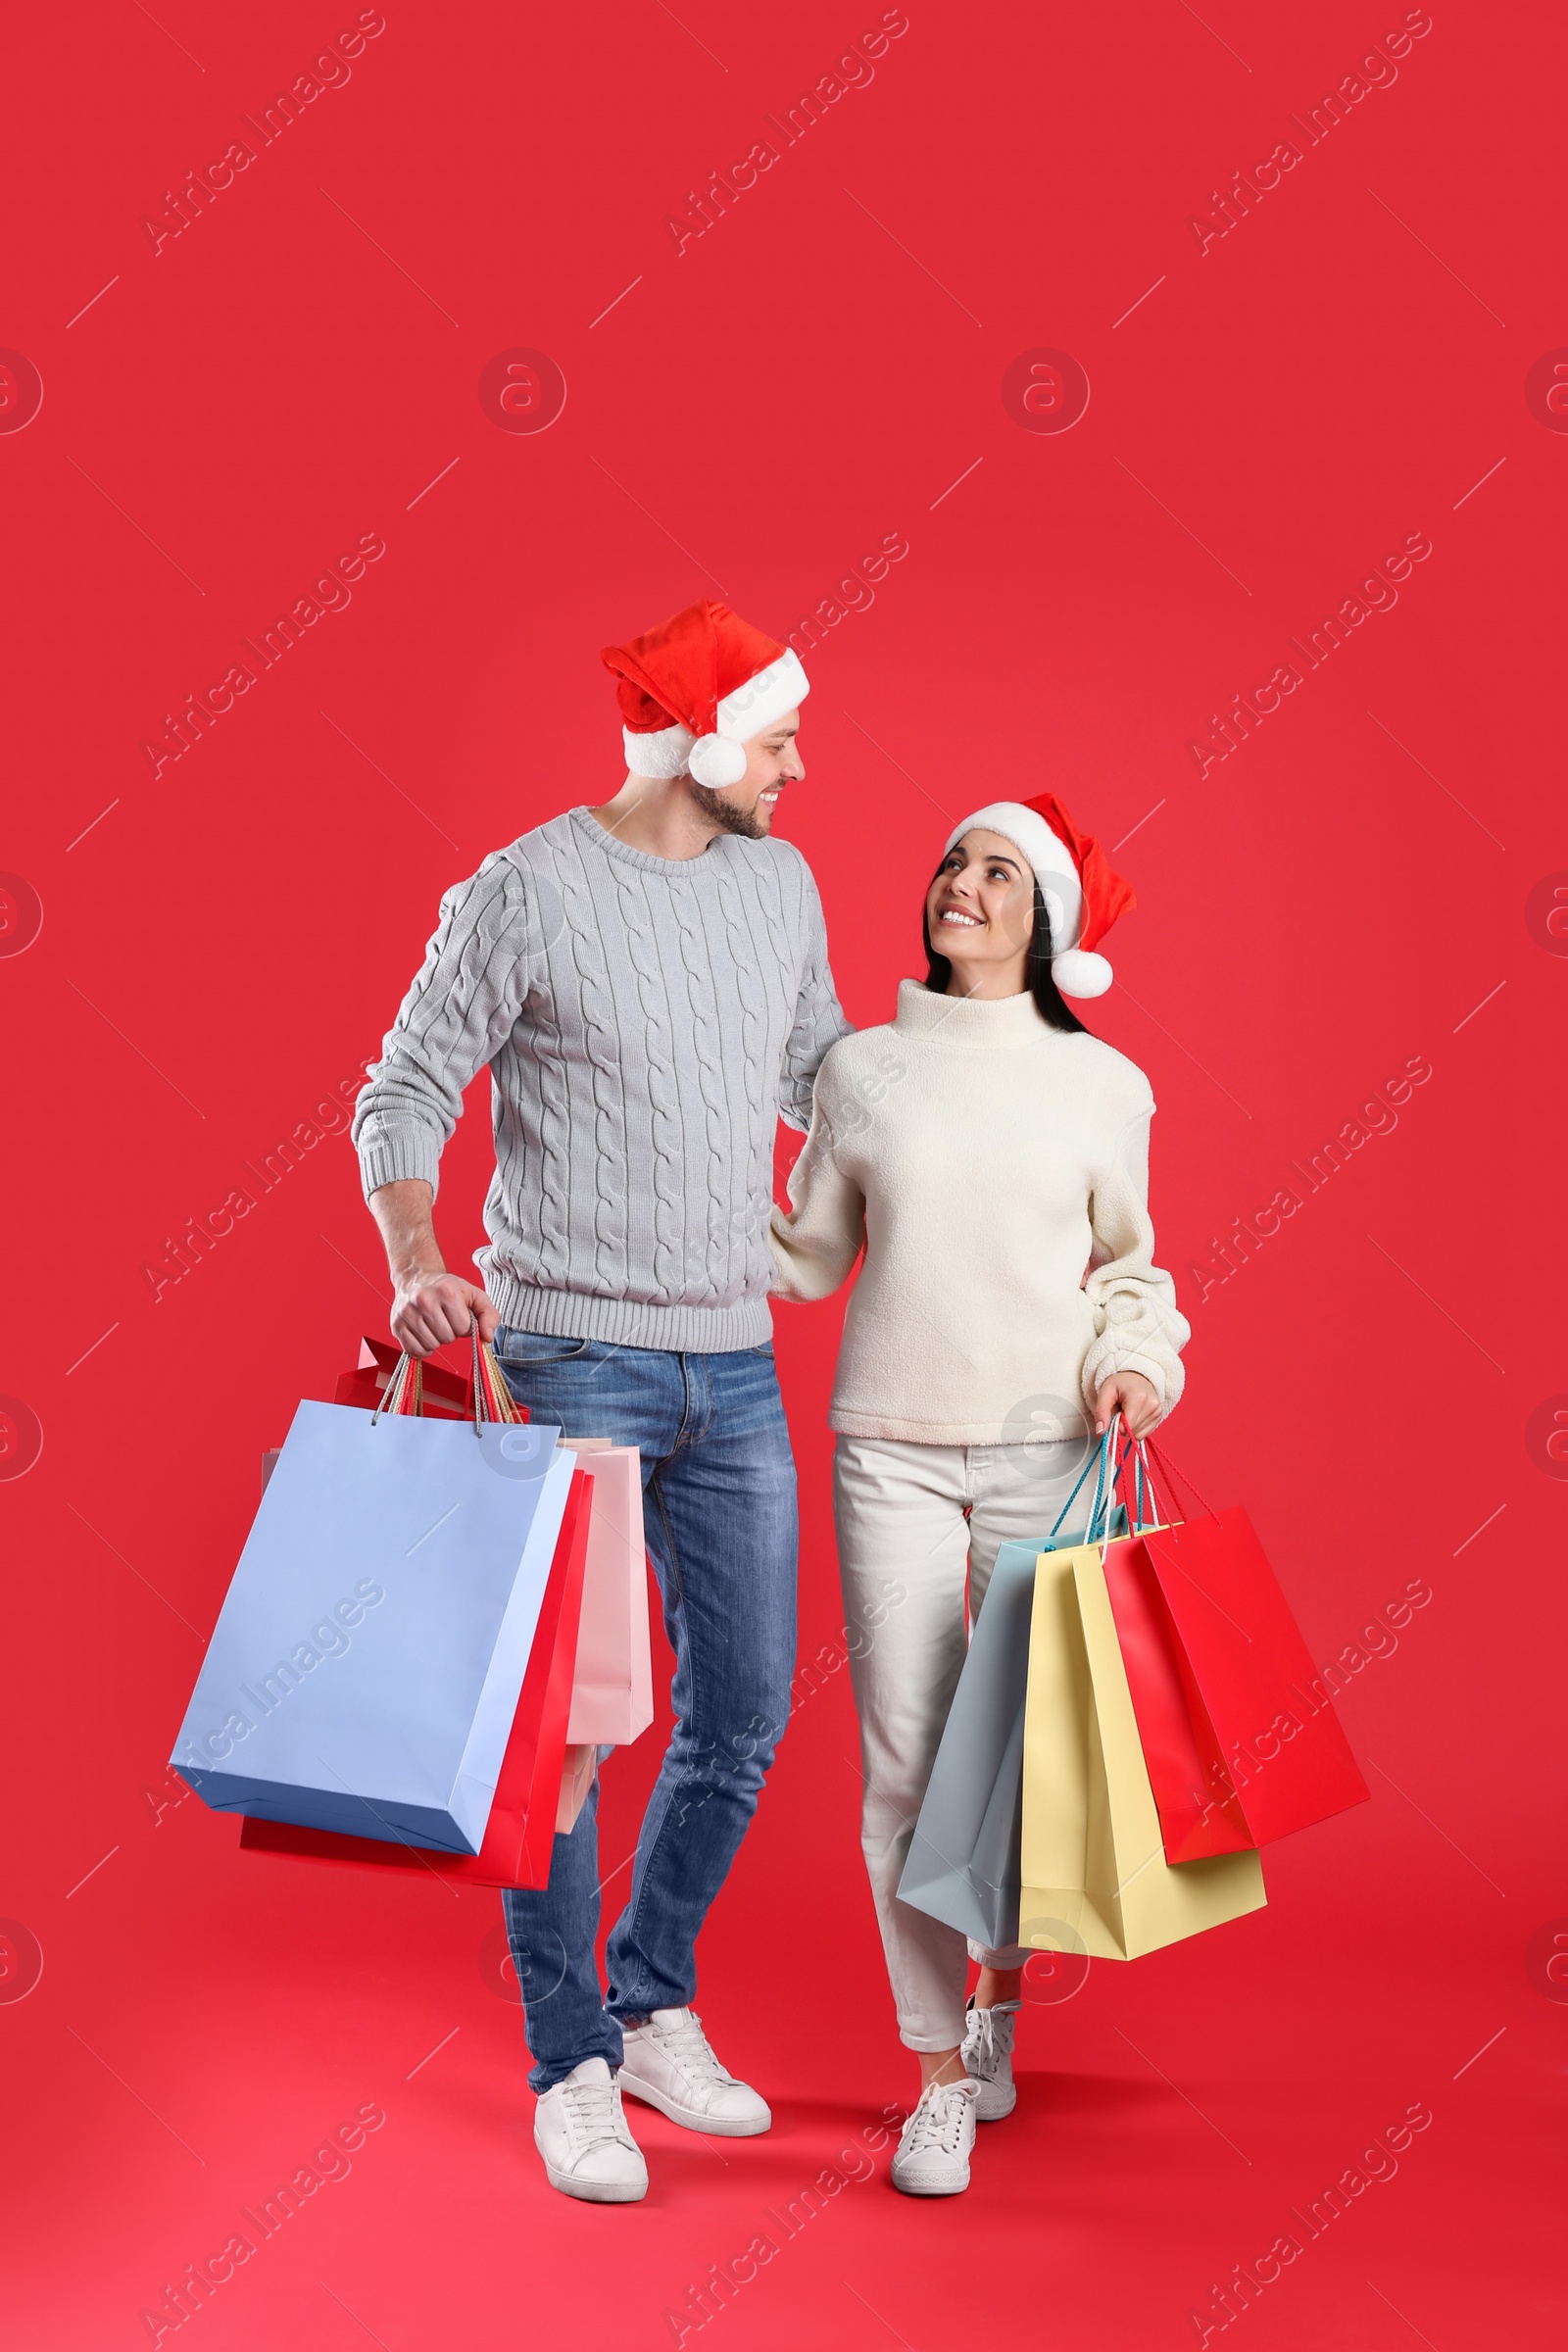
pixel 983 1159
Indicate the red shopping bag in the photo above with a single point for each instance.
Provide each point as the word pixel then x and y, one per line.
pixel 517 1840
pixel 1199 1810
pixel 1241 1739
pixel 432 1390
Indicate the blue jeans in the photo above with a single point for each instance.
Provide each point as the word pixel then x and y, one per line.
pixel 718 1499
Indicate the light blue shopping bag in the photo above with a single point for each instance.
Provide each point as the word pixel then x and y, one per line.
pixel 366 1667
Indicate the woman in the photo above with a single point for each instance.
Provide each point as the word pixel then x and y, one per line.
pixel 985 1151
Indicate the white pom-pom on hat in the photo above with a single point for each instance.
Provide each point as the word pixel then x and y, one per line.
pixel 715 761
pixel 1080 973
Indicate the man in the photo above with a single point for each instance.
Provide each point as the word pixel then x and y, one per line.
pixel 649 982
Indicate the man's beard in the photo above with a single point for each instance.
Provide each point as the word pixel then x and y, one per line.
pixel 748 822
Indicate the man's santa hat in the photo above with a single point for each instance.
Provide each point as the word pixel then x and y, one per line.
pixel 1083 896
pixel 694 691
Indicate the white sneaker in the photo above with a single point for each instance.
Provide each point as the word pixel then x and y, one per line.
pixel 937 2141
pixel 668 2063
pixel 585 2141
pixel 988 2058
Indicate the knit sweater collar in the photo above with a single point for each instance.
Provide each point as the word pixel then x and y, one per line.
pixel 702 868
pixel 967 1021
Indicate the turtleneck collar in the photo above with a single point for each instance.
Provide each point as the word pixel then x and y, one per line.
pixel 969 1022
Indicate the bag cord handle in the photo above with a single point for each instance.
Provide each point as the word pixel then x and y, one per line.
pixel 1141 1496
pixel 489 1396
pixel 1105 1486
pixel 1114 1475
pixel 1098 1458
pixel 1110 1471
pixel 1171 1473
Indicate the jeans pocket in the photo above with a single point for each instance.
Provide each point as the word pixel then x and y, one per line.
pixel 533 1349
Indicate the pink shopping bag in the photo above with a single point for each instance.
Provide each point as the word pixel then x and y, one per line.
pixel 576 1779
pixel 612 1690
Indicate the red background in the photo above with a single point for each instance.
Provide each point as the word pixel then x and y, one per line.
pixel 1351 889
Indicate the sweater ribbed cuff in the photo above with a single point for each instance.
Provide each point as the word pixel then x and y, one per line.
pixel 397 1155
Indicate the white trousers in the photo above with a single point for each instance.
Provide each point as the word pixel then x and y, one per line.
pixel 915 1525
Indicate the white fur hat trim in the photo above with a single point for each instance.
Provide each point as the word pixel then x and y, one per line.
pixel 662 755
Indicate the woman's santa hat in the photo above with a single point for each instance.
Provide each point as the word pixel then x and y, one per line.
pixel 1083 897
pixel 693 692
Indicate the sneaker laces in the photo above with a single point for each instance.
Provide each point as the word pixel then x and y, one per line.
pixel 937 2120
pixel 988 2041
pixel 592 2112
pixel 692 2050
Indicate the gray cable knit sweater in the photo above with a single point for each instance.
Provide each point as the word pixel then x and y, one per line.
pixel 647 1022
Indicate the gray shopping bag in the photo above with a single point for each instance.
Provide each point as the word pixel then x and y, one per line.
pixel 962 1863
pixel 963 1860
pixel 366 1667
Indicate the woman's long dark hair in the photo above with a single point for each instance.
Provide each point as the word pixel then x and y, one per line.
pixel 1050 1003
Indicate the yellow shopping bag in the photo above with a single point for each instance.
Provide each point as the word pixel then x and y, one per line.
pixel 1092 1861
